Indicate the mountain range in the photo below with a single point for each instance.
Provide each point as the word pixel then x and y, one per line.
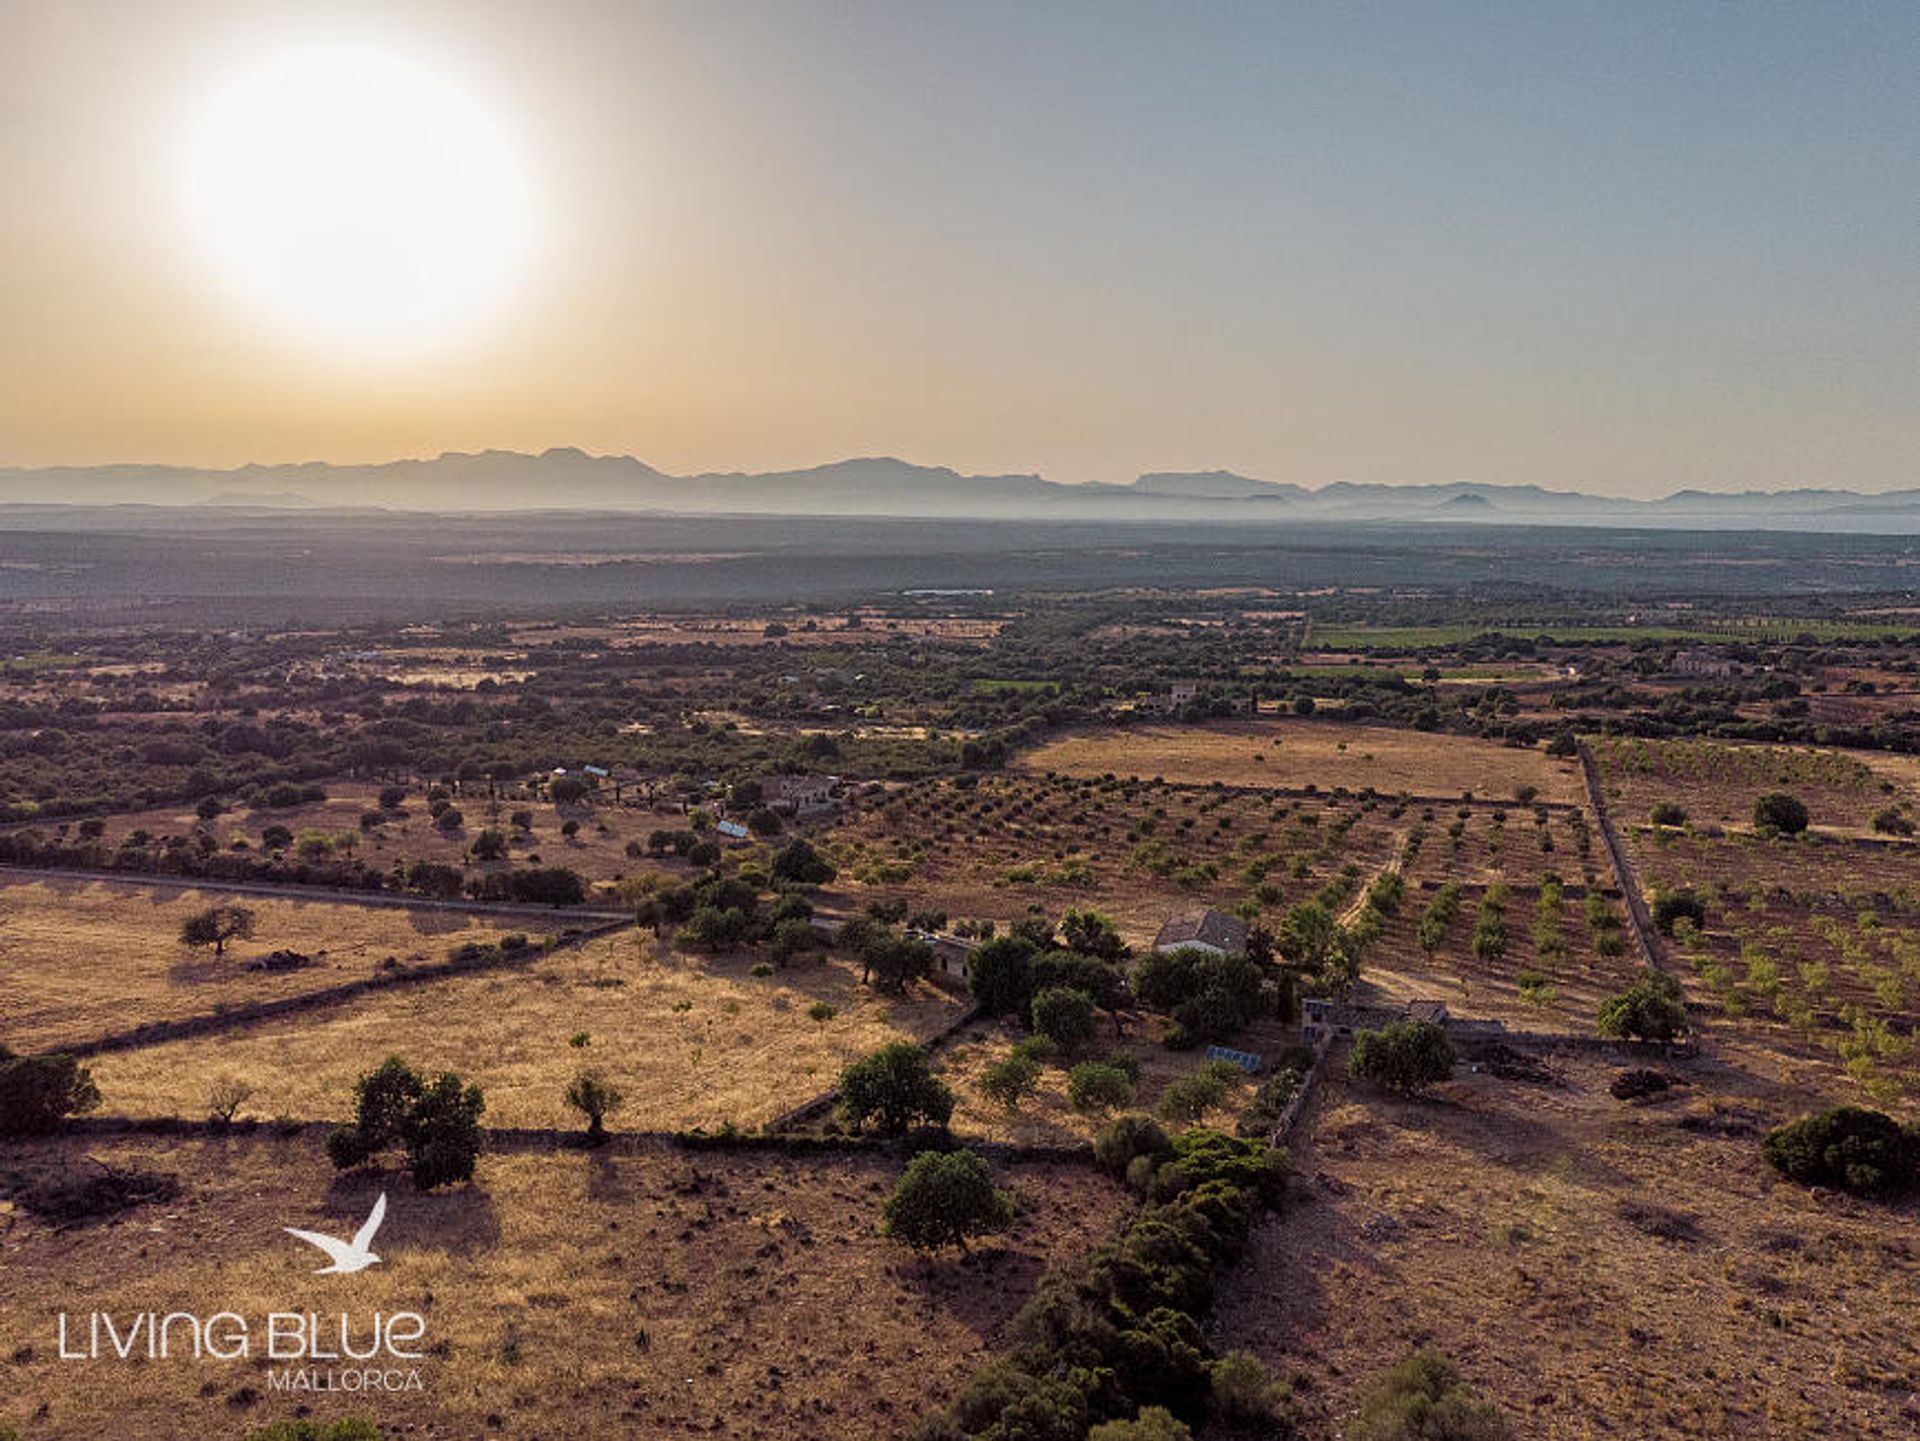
pixel 570 479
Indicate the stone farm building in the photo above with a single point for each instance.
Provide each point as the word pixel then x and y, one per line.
pixel 1203 930
pixel 1324 1020
pixel 799 794
pixel 1709 663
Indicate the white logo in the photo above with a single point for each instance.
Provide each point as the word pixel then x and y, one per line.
pixel 347 1258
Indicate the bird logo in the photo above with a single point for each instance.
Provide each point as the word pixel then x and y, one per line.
pixel 347 1256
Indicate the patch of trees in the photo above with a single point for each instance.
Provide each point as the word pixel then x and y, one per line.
pixel 889 961
pixel 1007 974
pixel 536 885
pixel 436 1122
pixel 555 886
pixel 1209 996
pixel 1115 1334
pixel 1849 1148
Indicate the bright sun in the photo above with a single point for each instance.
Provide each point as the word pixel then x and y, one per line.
pixel 358 198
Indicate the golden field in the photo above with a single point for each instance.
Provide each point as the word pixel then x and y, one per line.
pixel 80 959
pixel 690 1041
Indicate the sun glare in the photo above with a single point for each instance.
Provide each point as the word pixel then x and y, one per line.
pixel 358 198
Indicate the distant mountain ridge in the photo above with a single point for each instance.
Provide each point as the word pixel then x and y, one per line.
pixel 565 478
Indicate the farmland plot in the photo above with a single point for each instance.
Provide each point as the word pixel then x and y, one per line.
pixel 691 1043
pixel 80 959
pixel 1297 753
pixel 612 1293
pixel 1717 782
pixel 1138 851
pixel 1596 1270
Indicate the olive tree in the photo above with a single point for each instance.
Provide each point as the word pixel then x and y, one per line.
pixel 215 926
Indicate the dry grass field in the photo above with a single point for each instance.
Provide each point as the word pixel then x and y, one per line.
pixel 651 1293
pixel 80 959
pixel 1598 1269
pixel 691 1042
pixel 1295 753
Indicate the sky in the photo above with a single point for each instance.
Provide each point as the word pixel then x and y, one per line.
pixel 1621 247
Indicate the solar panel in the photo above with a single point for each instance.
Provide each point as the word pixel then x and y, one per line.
pixel 1245 1060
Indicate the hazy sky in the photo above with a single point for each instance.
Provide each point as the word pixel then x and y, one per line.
pixel 1620 246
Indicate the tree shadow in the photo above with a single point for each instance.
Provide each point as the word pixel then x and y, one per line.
pixel 981 1289
pixel 429 922
pixel 460 1221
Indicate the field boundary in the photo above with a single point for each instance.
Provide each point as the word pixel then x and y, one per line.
pixel 312 895
pixel 819 1105
pixel 153 1033
pixel 1313 793
pixel 526 1140
pixel 1637 915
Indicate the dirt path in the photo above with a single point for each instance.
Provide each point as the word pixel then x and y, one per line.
pixel 1637 915
pixel 1396 857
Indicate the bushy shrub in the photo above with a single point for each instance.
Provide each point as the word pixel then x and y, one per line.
pixel 1246 1394
pixel 38 1093
pixel 1270 1100
pixel 437 1122
pixel 1675 906
pixel 1064 1016
pixel 1849 1148
pixel 1011 1081
pixel 1778 813
pixel 799 861
pixel 1099 1086
pixel 1649 1010
pixel 347 1428
pixel 1189 1097
pixel 1125 1137
pixel 1638 1083
pixel 1406 1057
pixel 1152 1423
pixel 1424 1399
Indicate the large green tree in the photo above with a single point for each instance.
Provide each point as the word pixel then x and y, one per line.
pixel 894 1088
pixel 944 1198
